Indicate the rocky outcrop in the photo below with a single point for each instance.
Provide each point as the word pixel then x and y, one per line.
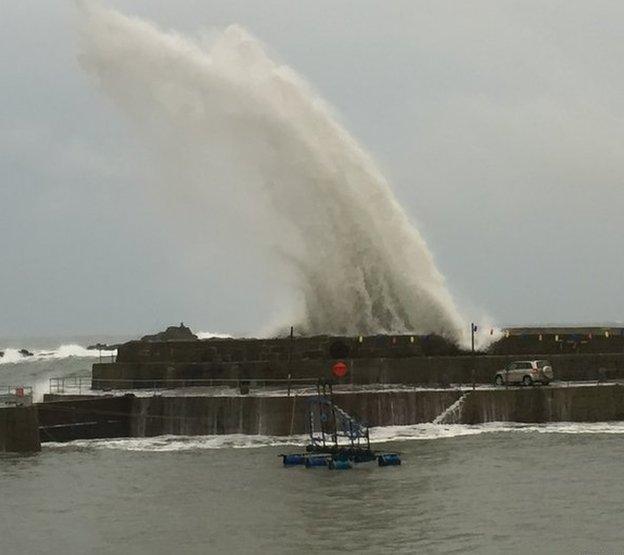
pixel 172 333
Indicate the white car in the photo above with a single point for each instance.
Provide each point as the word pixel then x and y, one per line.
pixel 525 372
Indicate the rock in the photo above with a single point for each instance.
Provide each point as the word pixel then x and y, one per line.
pixel 25 353
pixel 172 333
pixel 1 354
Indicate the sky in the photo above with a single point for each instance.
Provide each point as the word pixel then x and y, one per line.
pixel 498 124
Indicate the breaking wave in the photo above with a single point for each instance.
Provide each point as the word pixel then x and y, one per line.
pixel 225 120
pixel 211 335
pixel 13 355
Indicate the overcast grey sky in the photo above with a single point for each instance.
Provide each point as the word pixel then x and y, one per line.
pixel 499 125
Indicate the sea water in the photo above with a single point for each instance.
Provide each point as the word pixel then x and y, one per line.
pixel 485 489
pixel 480 489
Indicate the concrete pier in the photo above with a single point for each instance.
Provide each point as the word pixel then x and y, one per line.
pixel 282 415
pixel 425 370
pixel 575 354
pixel 405 363
pixel 85 418
pixel 544 404
pixel 287 415
pixel 19 430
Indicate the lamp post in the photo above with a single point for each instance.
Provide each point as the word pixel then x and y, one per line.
pixel 290 354
pixel 473 329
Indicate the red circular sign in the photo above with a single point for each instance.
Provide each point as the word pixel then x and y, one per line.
pixel 339 369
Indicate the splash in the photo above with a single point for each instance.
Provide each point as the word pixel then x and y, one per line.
pixel 302 182
pixel 452 414
pixel 213 335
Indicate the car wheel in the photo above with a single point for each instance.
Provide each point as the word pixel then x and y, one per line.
pixel 499 380
pixel 527 381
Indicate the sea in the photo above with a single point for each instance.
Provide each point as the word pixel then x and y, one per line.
pixel 492 488
pixel 50 357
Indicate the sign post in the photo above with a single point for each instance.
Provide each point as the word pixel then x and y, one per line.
pixel 473 329
pixel 340 369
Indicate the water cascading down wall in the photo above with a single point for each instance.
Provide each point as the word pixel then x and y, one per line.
pixel 63 420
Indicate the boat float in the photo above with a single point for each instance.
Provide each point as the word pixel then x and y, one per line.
pixel 337 440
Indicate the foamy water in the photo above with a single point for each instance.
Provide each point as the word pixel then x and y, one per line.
pixel 74 350
pixel 416 432
pixel 502 489
pixel 12 355
pixel 224 119
pixel 212 335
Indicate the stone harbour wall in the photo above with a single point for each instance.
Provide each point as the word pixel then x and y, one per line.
pixel 130 416
pixel 434 370
pixel 19 430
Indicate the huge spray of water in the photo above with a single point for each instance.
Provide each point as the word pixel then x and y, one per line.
pixel 357 262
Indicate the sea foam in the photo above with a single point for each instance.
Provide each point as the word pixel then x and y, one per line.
pixel 12 355
pixel 379 435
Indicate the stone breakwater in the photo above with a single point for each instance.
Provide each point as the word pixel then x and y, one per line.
pixel 19 429
pixel 59 419
pixel 580 354
pixel 287 415
pixel 131 416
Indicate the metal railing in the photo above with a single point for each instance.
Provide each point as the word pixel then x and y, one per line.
pixel 84 384
pixel 78 385
pixel 107 356
pixel 71 384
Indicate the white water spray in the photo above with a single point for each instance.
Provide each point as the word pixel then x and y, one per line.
pixel 358 263
pixel 452 413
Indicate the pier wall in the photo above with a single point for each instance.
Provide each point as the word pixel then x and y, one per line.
pixel 131 416
pixel 287 415
pixel 84 418
pixel 19 430
pixel 576 354
pixel 428 370
pixel 546 341
pixel 540 405
pixel 279 416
